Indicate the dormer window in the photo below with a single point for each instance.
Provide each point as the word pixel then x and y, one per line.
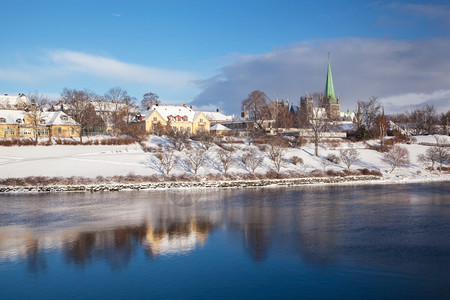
pixel 2 120
pixel 19 121
pixel 64 118
pixel 42 121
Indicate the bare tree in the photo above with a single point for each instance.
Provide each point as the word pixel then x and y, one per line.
pixel 369 111
pixel 35 111
pixel 206 138
pixel 256 106
pixel 437 154
pixel 80 108
pixel 121 108
pixel 252 160
pixel 349 156
pixel 195 160
pixel 167 160
pixel 276 154
pixel 316 119
pixel 179 139
pixel 381 127
pixel 226 159
pixel 148 100
pixel 396 157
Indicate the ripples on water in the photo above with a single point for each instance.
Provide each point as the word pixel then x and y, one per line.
pixel 334 242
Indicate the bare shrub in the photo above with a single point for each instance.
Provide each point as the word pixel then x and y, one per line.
pixel 349 156
pixel 335 173
pixel 436 154
pixel 226 159
pixel 396 157
pixel 45 143
pixel 333 143
pixel 205 138
pixel 252 160
pixel 296 160
pixel 179 140
pixel 167 160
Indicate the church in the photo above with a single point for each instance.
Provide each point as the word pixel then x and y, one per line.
pixel 327 101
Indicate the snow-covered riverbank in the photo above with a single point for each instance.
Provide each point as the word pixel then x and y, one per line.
pixel 94 162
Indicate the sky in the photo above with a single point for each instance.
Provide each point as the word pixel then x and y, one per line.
pixel 213 54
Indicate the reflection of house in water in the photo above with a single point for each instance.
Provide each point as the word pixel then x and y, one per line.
pixel 178 237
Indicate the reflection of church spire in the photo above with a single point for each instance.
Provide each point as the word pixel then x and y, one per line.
pixel 329 88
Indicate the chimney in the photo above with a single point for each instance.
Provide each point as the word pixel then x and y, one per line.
pixel 184 105
pixel 148 105
pixel 6 94
pixel 217 110
pixel 156 103
pixel 191 107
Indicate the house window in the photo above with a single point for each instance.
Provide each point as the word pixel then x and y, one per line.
pixel 2 120
pixel 185 118
pixel 181 129
pixel 25 131
pixel 59 130
pixel 6 131
pixel 73 131
pixel 174 128
pixel 155 119
pixel 201 120
pixel 142 127
pixel 11 130
pixel 64 118
pixel 188 129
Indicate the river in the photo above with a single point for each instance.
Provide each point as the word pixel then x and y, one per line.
pixel 362 241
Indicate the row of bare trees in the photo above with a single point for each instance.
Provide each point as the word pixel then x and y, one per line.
pixel 115 110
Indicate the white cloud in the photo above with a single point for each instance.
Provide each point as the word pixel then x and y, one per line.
pixel 110 68
pixel 361 68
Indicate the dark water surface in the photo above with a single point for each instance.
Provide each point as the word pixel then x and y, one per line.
pixel 356 242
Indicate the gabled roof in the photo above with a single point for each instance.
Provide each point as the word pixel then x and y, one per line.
pixel 51 118
pixel 57 118
pixel 173 110
pixel 219 127
pixel 9 101
pixel 11 116
pixel 217 116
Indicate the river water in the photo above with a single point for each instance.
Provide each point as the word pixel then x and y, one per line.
pixel 380 241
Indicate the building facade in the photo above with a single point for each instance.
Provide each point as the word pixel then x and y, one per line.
pixel 22 124
pixel 178 118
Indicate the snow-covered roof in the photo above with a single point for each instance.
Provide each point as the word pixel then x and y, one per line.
pixel 167 111
pixel 9 116
pixel 217 116
pixel 47 118
pixel 219 127
pixel 10 101
pixel 57 118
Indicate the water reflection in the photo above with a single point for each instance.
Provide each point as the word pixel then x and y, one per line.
pixel 319 226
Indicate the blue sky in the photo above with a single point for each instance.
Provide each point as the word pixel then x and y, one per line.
pixel 214 53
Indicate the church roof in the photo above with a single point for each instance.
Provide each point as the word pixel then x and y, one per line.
pixel 329 88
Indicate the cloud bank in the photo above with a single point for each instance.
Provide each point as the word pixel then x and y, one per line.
pixel 401 73
pixel 81 70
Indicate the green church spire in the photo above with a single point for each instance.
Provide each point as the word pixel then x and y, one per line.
pixel 329 88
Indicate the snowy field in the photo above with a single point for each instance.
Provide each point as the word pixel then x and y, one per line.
pixel 92 161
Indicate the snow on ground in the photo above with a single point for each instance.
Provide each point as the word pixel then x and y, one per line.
pixel 92 161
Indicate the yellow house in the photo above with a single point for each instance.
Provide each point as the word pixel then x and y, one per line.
pixel 179 118
pixel 22 124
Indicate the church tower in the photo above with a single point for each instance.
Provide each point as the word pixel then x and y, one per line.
pixel 330 102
